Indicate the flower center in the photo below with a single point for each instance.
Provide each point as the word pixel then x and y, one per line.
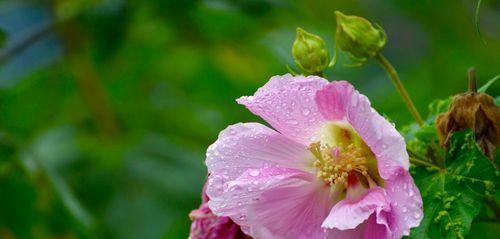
pixel 339 153
pixel 335 163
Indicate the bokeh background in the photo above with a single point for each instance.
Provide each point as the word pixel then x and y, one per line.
pixel 107 106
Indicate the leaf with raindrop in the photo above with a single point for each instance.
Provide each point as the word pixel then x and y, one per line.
pixel 454 196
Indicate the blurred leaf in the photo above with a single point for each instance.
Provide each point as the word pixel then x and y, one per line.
pixel 49 151
pixel 18 205
pixel 3 37
pixel 161 175
pixel 439 106
pixel 485 87
pixel 485 230
pixel 476 20
pixel 66 10
pixel 453 197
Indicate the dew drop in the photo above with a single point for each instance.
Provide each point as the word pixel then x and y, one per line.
pixel 378 133
pixel 292 122
pixel 254 172
pixel 404 209
pixel 305 111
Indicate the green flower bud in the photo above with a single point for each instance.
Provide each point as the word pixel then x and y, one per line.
pixel 309 52
pixel 358 36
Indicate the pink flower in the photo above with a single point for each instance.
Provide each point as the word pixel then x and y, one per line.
pixel 206 225
pixel 334 168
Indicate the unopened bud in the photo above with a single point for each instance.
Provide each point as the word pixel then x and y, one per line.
pixel 309 52
pixel 358 36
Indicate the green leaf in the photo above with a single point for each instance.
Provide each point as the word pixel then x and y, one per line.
pixel 476 20
pixel 454 196
pixel 485 87
pixel 439 106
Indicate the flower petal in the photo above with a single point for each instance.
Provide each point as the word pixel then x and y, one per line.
pixel 251 145
pixel 339 101
pixel 206 225
pixel 369 229
pixel 406 203
pixel 348 214
pixel 231 198
pixel 356 233
pixel 291 212
pixel 287 103
pixel 376 227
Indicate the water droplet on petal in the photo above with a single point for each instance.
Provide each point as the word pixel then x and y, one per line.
pixel 254 172
pixel 292 122
pixel 305 111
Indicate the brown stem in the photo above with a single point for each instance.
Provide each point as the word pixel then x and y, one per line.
pixel 472 80
pixel 88 79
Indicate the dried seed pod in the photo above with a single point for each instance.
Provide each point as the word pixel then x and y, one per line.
pixel 476 111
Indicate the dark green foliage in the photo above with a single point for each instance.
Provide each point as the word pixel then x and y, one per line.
pixel 3 37
pixel 454 196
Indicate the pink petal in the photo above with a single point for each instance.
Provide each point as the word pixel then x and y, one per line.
pixel 206 225
pixel 287 103
pixel 251 145
pixel 374 229
pixel 232 197
pixel 369 229
pixel 291 212
pixel 356 233
pixel 406 203
pixel 339 101
pixel 348 214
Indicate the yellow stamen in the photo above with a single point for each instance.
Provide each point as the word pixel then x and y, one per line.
pixel 335 168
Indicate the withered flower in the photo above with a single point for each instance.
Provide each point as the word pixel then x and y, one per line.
pixel 476 111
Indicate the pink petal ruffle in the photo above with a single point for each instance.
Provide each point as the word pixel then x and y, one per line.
pixel 287 104
pixel 339 101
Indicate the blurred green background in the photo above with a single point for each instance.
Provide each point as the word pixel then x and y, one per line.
pixel 107 107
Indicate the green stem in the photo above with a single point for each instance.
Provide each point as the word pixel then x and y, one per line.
pixel 423 163
pixel 418 159
pixel 393 74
